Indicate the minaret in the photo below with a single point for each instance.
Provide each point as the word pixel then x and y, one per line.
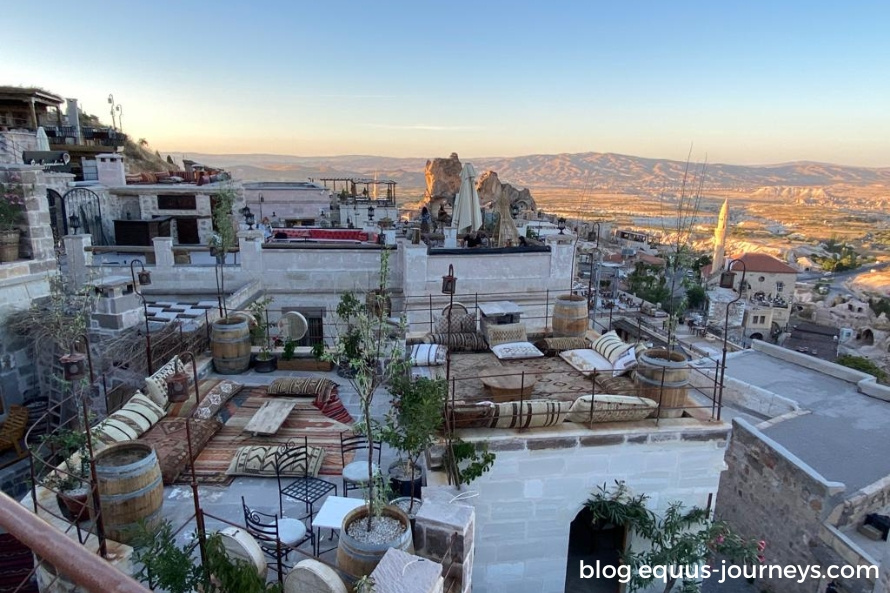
pixel 720 239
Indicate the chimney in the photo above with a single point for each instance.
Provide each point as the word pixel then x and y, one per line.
pixel 110 169
pixel 74 119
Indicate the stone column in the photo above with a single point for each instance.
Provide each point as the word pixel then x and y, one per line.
pixel 400 572
pixel 163 252
pixel 445 530
pixel 79 259
pixel 250 244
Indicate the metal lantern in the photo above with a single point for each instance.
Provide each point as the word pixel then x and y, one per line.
pixel 73 366
pixel 449 282
pixel 177 387
pixel 74 222
pixel 370 213
pixel 727 279
pixel 144 277
pixel 561 225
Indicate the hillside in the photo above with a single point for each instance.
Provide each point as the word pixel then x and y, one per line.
pixel 590 170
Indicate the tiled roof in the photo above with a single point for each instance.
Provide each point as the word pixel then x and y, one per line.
pixel 760 262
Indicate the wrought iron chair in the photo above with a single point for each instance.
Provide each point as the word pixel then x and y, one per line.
pixel 294 479
pixel 276 536
pixel 355 474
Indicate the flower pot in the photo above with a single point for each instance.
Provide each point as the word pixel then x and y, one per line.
pixel 358 558
pixel 9 245
pixel 73 366
pixel 265 365
pixel 400 479
pixel 74 504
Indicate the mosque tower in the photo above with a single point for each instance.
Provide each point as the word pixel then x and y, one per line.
pixel 719 258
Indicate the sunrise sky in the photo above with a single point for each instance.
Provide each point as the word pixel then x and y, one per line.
pixel 745 82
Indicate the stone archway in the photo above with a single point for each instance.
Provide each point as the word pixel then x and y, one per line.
pixel 756 336
pixel 591 544
pixel 868 337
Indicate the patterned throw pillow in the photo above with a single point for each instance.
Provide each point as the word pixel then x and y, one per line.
pixel 515 350
pixel 303 386
pixel 506 334
pixel 215 399
pixel 129 423
pixel 553 346
pixel 260 461
pixel 462 342
pixel 534 413
pixel 460 323
pixel 156 385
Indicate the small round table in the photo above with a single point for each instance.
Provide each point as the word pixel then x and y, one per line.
pixel 507 384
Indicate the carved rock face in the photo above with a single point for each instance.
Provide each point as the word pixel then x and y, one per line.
pixel 489 187
pixel 443 177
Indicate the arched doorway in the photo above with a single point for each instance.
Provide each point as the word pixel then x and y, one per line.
pixel 868 337
pixel 591 544
pixel 82 209
pixel 757 336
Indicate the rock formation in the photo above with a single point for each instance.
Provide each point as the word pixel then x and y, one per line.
pixel 443 178
pixel 490 187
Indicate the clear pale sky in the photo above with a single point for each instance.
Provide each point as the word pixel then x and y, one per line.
pixel 745 82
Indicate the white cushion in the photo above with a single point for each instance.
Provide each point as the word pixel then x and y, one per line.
pixel 512 350
pixel 290 531
pixel 425 355
pixel 357 471
pixel 586 361
pixel 626 362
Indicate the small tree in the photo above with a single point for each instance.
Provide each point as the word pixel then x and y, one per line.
pixel 678 538
pixel 223 240
pixel 412 422
pixel 372 356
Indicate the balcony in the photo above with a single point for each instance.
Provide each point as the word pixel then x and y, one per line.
pixel 64 137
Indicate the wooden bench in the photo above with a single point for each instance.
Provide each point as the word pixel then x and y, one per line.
pixel 13 430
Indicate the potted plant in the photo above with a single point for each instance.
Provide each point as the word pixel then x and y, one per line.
pixel 71 480
pixel 12 204
pixel 373 356
pixel 410 427
pixel 264 361
pixel 230 335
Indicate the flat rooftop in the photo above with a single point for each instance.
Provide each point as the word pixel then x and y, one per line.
pixel 842 433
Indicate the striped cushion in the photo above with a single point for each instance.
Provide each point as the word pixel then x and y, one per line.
pixel 334 409
pixel 427 355
pixel 461 342
pixel 130 422
pixel 260 461
pixel 610 346
pixel 553 346
pixel 529 414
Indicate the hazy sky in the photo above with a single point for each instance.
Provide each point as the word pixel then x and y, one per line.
pixel 745 82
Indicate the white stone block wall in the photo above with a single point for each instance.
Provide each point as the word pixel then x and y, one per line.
pixel 537 486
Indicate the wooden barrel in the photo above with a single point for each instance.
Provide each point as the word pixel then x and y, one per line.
pixel 570 316
pixel 357 558
pixel 240 545
pixel 664 377
pixel 230 345
pixel 130 488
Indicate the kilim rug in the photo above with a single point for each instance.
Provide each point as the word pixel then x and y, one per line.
pixel 16 562
pixel 304 420
pixel 556 378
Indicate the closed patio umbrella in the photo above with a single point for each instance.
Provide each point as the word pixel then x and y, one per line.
pixel 467 214
pixel 42 140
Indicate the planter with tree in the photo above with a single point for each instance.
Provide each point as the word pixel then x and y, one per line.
pixel 230 335
pixel 71 479
pixel 264 361
pixel 410 427
pixel 373 356
pixel 12 204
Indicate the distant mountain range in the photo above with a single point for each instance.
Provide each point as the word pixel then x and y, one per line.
pixel 591 170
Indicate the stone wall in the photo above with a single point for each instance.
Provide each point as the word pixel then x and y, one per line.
pixel 768 493
pixel 870 499
pixel 541 479
pixel 23 281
